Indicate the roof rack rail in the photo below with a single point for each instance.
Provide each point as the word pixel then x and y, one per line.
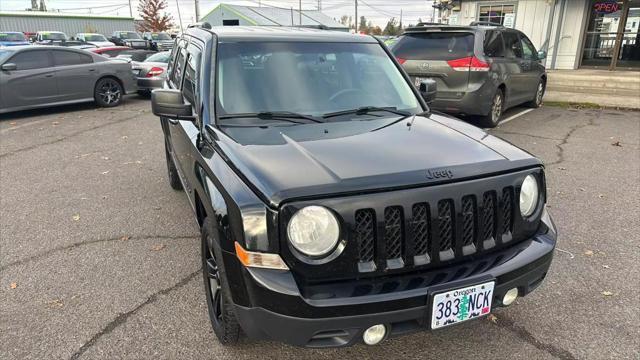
pixel 485 23
pixel 428 24
pixel 203 24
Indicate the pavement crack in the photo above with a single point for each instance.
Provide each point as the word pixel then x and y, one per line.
pixel 31 147
pixel 528 337
pixel 498 132
pixel 123 317
pixel 565 140
pixel 49 252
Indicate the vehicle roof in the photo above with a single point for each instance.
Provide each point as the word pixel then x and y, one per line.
pixel 50 32
pixel 284 33
pixel 11 32
pixel 446 27
pixel 36 46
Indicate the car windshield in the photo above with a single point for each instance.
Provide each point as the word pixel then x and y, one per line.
pixel 12 37
pixel 160 36
pixel 309 78
pixel 434 46
pixel 53 36
pixel 129 35
pixel 162 57
pixel 95 37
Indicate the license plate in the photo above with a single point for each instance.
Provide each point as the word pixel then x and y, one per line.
pixel 135 72
pixel 459 305
pixel 418 80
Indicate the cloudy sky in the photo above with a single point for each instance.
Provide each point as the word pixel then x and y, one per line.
pixel 378 11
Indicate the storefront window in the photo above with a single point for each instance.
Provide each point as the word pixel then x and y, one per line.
pixel 502 14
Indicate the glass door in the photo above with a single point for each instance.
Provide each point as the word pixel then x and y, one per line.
pixel 629 53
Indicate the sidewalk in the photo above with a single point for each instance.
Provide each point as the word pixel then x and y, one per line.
pixel 602 87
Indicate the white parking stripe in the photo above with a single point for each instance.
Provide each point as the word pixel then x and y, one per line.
pixel 16 127
pixel 513 117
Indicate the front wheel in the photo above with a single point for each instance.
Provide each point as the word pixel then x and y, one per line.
pixel 223 319
pixel 108 92
pixel 493 117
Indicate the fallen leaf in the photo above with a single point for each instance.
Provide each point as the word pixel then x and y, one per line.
pixel 105 172
pixel 589 253
pixel 600 196
pixel 607 293
pixel 105 158
pixel 12 123
pixel 581 189
pixel 124 238
pixel 562 168
pixel 55 303
pixel 76 217
pixel 55 123
pixel 606 267
pixel 617 143
pixel 158 247
pixel 492 318
pixel 124 137
pixel 13 285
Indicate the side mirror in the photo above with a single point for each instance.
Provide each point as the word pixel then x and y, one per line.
pixel 170 104
pixel 9 67
pixel 428 89
pixel 542 54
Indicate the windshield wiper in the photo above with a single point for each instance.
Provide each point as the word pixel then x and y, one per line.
pixel 276 115
pixel 365 110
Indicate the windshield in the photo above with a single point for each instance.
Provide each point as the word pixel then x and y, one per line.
pixel 434 46
pixel 160 36
pixel 53 36
pixel 94 37
pixel 162 57
pixel 309 78
pixel 129 35
pixel 12 37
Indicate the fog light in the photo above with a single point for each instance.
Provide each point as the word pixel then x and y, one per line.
pixel 510 297
pixel 374 334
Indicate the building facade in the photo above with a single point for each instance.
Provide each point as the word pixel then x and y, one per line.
pixel 34 21
pixel 575 34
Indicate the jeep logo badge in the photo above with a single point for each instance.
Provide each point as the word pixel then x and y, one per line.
pixel 439 174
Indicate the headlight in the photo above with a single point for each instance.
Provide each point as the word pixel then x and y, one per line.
pixel 313 230
pixel 528 195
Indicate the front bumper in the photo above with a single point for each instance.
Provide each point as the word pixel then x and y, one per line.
pixel 277 311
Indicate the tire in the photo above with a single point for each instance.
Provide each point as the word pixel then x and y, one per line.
pixel 492 119
pixel 145 93
pixel 223 319
pixel 537 100
pixel 172 173
pixel 108 92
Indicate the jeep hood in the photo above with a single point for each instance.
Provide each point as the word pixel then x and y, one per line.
pixel 300 161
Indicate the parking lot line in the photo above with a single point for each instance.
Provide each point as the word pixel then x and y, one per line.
pixel 513 117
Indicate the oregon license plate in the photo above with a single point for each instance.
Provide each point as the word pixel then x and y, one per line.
pixel 460 305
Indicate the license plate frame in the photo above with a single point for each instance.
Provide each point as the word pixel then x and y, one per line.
pixel 436 323
pixel 418 79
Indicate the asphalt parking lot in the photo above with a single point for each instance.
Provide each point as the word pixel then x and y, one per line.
pixel 99 258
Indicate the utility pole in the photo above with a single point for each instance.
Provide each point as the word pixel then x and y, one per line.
pixel 179 16
pixel 130 9
pixel 400 19
pixel 356 21
pixel 195 2
pixel 300 11
pixel 319 5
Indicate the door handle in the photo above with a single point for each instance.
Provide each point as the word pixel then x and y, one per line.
pixel 49 75
pixel 91 70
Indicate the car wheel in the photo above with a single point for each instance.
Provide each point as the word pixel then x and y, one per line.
pixel 108 92
pixel 172 173
pixel 223 319
pixel 493 117
pixel 537 100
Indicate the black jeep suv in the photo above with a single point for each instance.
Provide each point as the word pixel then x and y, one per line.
pixel 334 207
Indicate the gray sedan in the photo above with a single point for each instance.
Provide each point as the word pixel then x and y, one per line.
pixel 151 72
pixel 41 76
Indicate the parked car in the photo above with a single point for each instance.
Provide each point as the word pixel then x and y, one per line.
pixel 50 37
pixel 159 41
pixel 98 40
pixel 136 55
pixel 41 76
pixel 151 72
pixel 111 51
pixel 481 69
pixel 12 38
pixel 335 207
pixel 129 38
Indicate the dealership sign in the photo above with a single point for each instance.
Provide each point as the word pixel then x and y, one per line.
pixel 606 7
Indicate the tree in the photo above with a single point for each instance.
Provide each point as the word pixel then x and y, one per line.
pixel 153 17
pixel 392 28
pixel 344 20
pixel 362 25
pixel 376 30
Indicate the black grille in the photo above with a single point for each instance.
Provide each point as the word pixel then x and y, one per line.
pixel 507 210
pixel 468 220
pixel 421 228
pixel 488 215
pixel 445 224
pixel 365 232
pixel 393 231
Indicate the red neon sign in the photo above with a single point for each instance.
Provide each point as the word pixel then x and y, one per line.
pixel 606 7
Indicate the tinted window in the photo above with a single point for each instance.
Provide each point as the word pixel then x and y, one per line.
pixel 528 50
pixel 160 36
pixel 65 58
pixel 189 88
pixel 53 36
pixel 27 60
pixel 162 57
pixel 178 68
pixel 493 45
pixel 94 37
pixel 128 35
pixel 434 46
pixel 512 44
pixel 12 37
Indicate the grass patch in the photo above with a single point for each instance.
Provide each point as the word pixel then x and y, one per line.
pixel 573 105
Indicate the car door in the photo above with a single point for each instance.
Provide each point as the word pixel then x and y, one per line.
pixel 531 66
pixel 76 74
pixel 33 82
pixel 516 68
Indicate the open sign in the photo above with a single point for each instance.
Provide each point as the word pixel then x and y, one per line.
pixel 606 7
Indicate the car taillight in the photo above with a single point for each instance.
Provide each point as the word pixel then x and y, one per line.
pixel 155 71
pixel 470 63
pixel 401 61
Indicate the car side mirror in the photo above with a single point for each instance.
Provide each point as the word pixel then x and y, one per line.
pixel 9 67
pixel 169 103
pixel 542 54
pixel 428 89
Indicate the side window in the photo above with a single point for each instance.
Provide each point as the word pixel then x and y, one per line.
pixel 66 58
pixel 190 85
pixel 493 45
pixel 177 69
pixel 512 45
pixel 528 50
pixel 28 60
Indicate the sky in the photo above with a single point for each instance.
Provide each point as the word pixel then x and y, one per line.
pixel 378 11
